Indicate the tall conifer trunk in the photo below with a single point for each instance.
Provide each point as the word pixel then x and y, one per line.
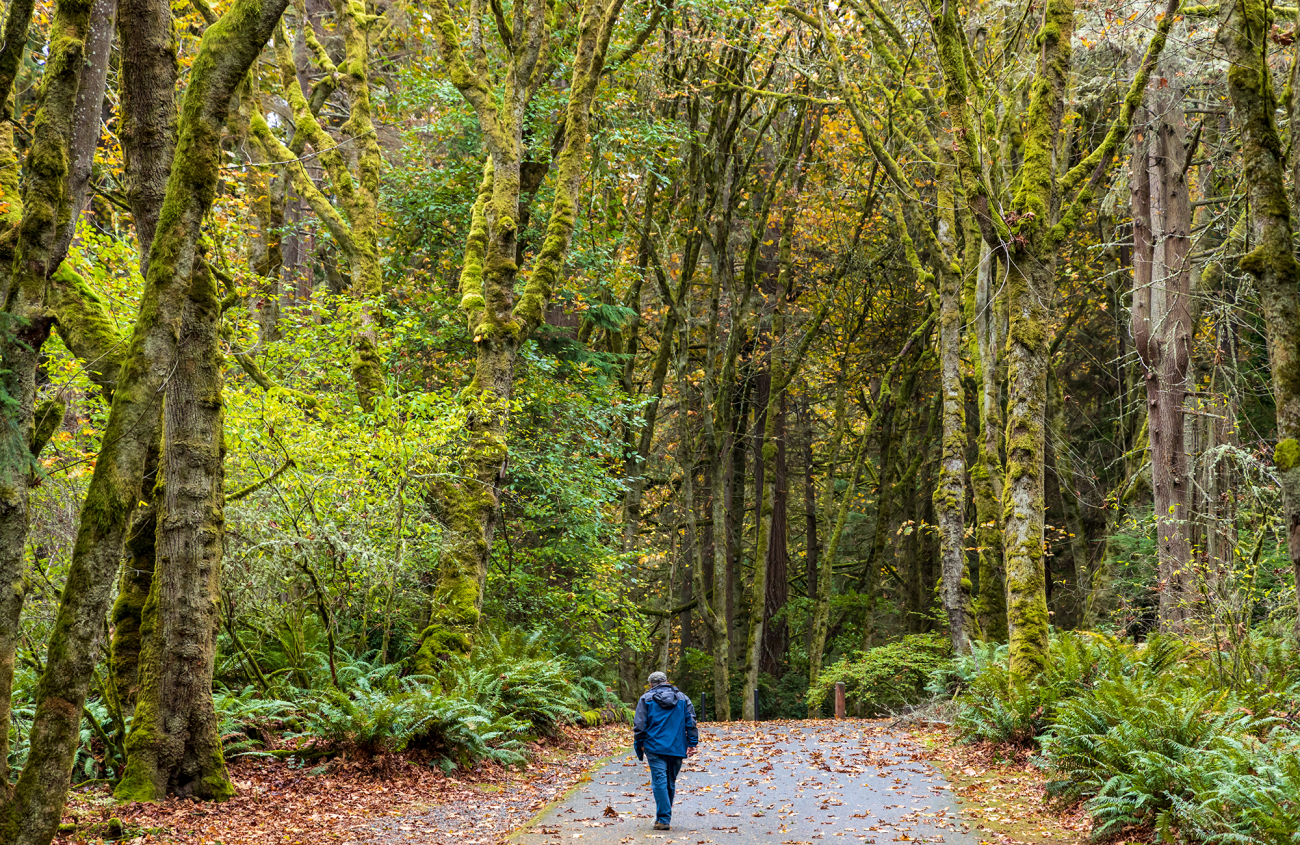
pixel 1161 326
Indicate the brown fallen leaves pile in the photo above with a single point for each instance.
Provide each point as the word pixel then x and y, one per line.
pixel 1003 794
pixel 391 801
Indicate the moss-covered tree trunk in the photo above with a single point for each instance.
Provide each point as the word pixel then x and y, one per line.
pixel 148 71
pixel 1048 201
pixel 35 213
pixel 227 50
pixel 950 488
pixel 1243 33
pixel 147 75
pixel 1027 622
pixel 174 746
pixel 986 470
pixel 498 323
pixel 87 120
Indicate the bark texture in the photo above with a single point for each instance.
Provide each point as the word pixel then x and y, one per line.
pixel 228 49
pixel 1243 30
pixel 1161 325
pixel 499 324
pixel 174 746
pixel 25 269
pixel 148 134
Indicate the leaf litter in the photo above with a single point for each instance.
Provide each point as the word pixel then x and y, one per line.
pixel 1003 793
pixel 396 801
pixel 387 801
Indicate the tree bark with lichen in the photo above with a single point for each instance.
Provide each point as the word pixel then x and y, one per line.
pixel 1027 229
pixel 353 221
pixel 1161 326
pixel 148 134
pixel 950 488
pixel 226 52
pixel 174 747
pixel 498 322
pixel 1243 32
pixel 990 605
pixel 27 258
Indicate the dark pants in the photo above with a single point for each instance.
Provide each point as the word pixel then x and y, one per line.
pixel 663 779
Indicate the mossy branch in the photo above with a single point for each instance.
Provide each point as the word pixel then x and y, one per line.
pixel 85 327
pixel 473 86
pixel 48 418
pixel 1098 161
pixel 302 182
pixel 471 274
pixel 258 485
pixel 17 20
pixel 594 32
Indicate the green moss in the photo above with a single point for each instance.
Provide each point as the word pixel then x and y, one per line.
pixel 437 643
pixel 1287 454
pixel 48 418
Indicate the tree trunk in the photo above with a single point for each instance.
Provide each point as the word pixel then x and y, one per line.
pixel 986 471
pixel 778 556
pixel 87 120
pixel 23 282
pixel 227 50
pixel 1029 289
pixel 950 488
pixel 174 746
pixel 498 323
pixel 1162 334
pixel 1078 578
pixel 1243 26
pixel 133 587
pixel 1027 623
pixel 148 133
pixel 148 111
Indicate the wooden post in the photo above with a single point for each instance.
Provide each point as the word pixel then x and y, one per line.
pixel 839 700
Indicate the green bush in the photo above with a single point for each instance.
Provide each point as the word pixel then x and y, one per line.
pixel 999 707
pixel 887 678
pixel 1171 735
pixel 378 721
pixel 512 673
pixel 248 723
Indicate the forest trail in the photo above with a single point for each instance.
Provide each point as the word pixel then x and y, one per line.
pixel 778 783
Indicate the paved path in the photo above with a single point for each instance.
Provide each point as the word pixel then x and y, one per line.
pixel 778 783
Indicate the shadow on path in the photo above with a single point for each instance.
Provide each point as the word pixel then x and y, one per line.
pixel 780 783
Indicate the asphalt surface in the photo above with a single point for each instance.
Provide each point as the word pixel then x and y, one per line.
pixel 778 783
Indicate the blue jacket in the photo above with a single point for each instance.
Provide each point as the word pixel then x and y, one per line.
pixel 665 723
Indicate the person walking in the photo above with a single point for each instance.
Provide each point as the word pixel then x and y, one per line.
pixel 664 734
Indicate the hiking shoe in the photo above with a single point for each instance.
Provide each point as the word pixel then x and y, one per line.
pixel 661 826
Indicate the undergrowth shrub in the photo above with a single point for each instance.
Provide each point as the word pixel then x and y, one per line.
pixel 1182 737
pixel 416 715
pixel 512 673
pixel 887 678
pixel 479 707
pixel 248 723
pixel 999 707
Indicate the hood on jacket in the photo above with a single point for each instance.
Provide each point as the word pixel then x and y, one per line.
pixel 665 695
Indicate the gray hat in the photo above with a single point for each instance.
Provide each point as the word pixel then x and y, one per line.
pixel 657 678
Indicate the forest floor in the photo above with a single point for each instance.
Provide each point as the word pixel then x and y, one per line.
pixel 774 782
